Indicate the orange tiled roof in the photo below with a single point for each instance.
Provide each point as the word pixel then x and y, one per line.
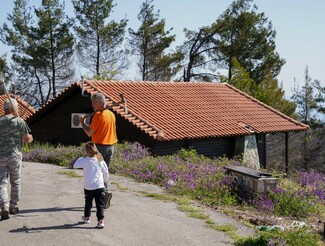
pixel 24 109
pixel 178 110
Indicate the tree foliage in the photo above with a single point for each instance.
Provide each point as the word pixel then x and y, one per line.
pixel 241 79
pixel 99 40
pixel 240 44
pixel 149 43
pixel 309 99
pixel 41 52
pixel 240 33
pixel 55 43
pixel 196 49
pixel 271 93
pixel 20 39
pixel 247 36
pixel 4 69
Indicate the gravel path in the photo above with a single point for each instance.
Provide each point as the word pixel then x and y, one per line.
pixel 52 205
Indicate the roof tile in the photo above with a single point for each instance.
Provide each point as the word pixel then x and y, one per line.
pixel 193 109
pixel 24 109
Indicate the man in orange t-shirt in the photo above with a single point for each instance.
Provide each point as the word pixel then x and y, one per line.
pixel 102 129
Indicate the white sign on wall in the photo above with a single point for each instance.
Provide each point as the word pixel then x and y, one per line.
pixel 75 119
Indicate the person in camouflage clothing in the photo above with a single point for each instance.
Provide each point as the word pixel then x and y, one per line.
pixel 13 133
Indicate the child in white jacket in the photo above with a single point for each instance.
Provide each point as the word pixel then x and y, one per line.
pixel 95 175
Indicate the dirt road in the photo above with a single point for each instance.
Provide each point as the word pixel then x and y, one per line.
pixel 52 205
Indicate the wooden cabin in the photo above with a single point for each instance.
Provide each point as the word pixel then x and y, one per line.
pixel 212 118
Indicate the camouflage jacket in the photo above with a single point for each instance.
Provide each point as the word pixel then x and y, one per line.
pixel 12 129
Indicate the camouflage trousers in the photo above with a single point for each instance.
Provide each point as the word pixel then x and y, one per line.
pixel 10 169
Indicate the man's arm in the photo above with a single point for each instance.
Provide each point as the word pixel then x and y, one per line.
pixel 85 127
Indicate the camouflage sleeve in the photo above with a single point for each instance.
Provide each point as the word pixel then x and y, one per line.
pixel 24 128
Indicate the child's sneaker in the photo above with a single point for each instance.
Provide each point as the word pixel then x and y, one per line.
pixel 100 224
pixel 85 220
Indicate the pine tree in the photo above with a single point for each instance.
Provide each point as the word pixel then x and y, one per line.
pixel 247 36
pixel 20 38
pixel 55 45
pixel 42 52
pixel 149 43
pixel 198 47
pixel 240 34
pixel 5 73
pixel 99 41
pixel 308 100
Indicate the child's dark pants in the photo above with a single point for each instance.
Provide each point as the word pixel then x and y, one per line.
pixel 99 195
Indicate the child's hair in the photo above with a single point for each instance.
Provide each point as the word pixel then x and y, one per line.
pixel 91 148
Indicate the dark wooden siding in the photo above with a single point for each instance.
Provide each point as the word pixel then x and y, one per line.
pixel 126 131
pixel 167 147
pixel 210 147
pixel 54 126
pixel 214 147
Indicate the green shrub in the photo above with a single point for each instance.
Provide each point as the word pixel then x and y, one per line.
pixel 292 200
pixel 187 154
pixel 292 205
pixel 293 237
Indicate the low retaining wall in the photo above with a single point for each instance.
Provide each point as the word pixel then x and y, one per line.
pixel 252 181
